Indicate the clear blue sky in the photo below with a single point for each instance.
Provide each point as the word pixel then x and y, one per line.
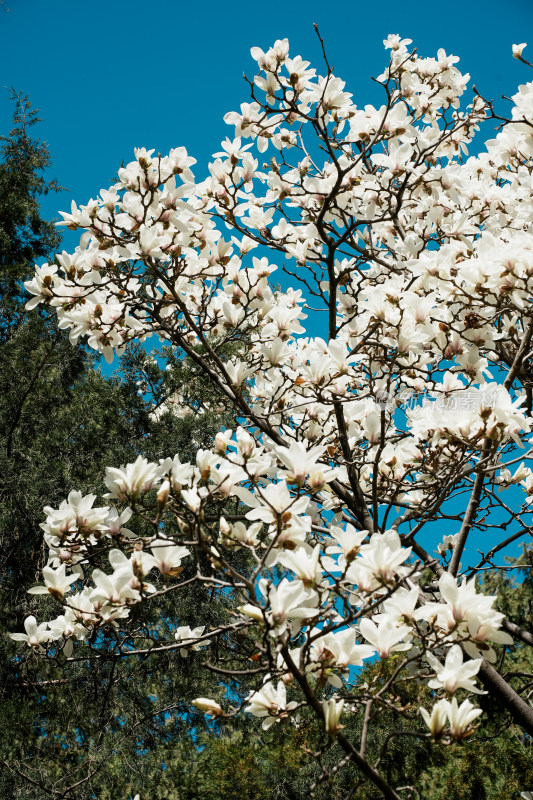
pixel 114 75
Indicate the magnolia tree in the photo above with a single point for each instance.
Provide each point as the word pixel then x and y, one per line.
pixel 380 458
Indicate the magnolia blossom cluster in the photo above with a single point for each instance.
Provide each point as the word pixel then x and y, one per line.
pixel 404 315
pixel 407 271
pixel 372 572
pixel 460 718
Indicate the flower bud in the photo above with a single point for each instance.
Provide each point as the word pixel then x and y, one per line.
pixel 208 706
pixel 220 444
pixel 225 527
pixel 162 495
pixel 332 711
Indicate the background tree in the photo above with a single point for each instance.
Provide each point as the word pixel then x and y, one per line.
pixel 101 722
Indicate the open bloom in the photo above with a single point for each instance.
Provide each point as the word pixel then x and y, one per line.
pixel 187 635
pixel 275 501
pixel 35 634
pixel 289 600
pixel 270 703
pixel 454 674
pixel 386 637
pixel 300 461
pixel 461 718
pixel 56 582
pixel 382 558
pixel 75 514
pixel 167 556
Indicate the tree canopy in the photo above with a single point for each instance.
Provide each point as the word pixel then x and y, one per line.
pixel 328 546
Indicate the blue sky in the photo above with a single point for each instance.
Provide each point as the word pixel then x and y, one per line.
pixel 111 76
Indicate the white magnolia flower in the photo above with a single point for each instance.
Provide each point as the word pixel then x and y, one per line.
pixel 288 600
pixel 114 589
pixel 461 718
pixel 306 566
pixel 300 461
pixel 35 634
pixel 338 650
pixel 454 674
pixel 75 515
pixel 193 499
pixel 56 582
pixel 208 706
pixel 386 637
pixel 275 501
pixel 332 710
pixel 270 703
pixel 438 719
pixel 382 557
pixel 168 556
pixel 187 635
pixel 132 480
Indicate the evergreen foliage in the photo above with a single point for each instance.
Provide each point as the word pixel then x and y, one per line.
pixel 60 420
